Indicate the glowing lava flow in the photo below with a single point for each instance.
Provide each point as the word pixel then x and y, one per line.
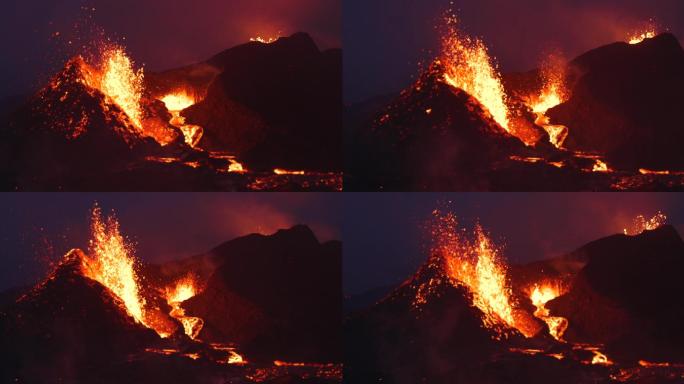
pixel 640 224
pixel 552 93
pixel 175 296
pixel 175 103
pixel 539 296
pixel 476 264
pixel 467 66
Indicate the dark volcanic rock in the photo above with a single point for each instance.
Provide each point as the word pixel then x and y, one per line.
pixel 277 296
pixel 400 340
pixel 628 296
pixel 626 102
pixel 65 326
pixel 276 105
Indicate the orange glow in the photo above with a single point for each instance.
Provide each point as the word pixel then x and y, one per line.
pixel 184 289
pixel 540 295
pixel 553 92
pixel 649 364
pixel 122 83
pixel 467 66
pixel 600 166
pixel 600 358
pixel 641 36
pixel 279 171
pixel 233 357
pixel 265 40
pixel 476 264
pixel 641 224
pixel 111 264
pixel 175 103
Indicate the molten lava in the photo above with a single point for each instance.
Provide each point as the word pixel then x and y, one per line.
pixel 540 295
pixel 264 40
pixel 175 103
pixel 600 166
pixel 184 289
pixel 476 264
pixel 641 36
pixel 111 264
pixel 553 92
pixel 279 171
pixel 467 66
pixel 640 224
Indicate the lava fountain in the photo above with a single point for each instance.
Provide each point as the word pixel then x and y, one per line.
pixel 111 264
pixel 475 263
pixel 641 224
pixel 467 66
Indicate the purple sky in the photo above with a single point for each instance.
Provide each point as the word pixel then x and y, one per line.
pixel 162 34
pixel 385 233
pixel 385 39
pixel 36 228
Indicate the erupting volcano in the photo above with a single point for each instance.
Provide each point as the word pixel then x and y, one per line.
pixel 215 125
pixel 109 315
pixel 578 318
pixel 602 121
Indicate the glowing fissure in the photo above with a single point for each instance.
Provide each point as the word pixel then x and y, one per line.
pixel 540 295
pixel 553 93
pixel 184 289
pixel 475 264
pixel 641 36
pixel 641 224
pixel 175 103
pixel 467 66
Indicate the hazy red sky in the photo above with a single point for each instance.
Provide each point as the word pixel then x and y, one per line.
pixel 161 34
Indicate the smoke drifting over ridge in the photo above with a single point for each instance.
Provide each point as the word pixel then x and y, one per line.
pixel 381 58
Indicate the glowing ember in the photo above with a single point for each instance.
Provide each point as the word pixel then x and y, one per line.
pixel 600 358
pixel 641 36
pixel 175 103
pixel 553 92
pixel 468 66
pixel 236 167
pixel 175 296
pixel 539 296
pixel 476 264
pixel 122 83
pixel 600 166
pixel 233 357
pixel 640 224
pixel 265 40
pixel 279 171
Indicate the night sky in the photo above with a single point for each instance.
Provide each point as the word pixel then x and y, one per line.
pixel 385 40
pixel 36 228
pixel 385 234
pixel 161 34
